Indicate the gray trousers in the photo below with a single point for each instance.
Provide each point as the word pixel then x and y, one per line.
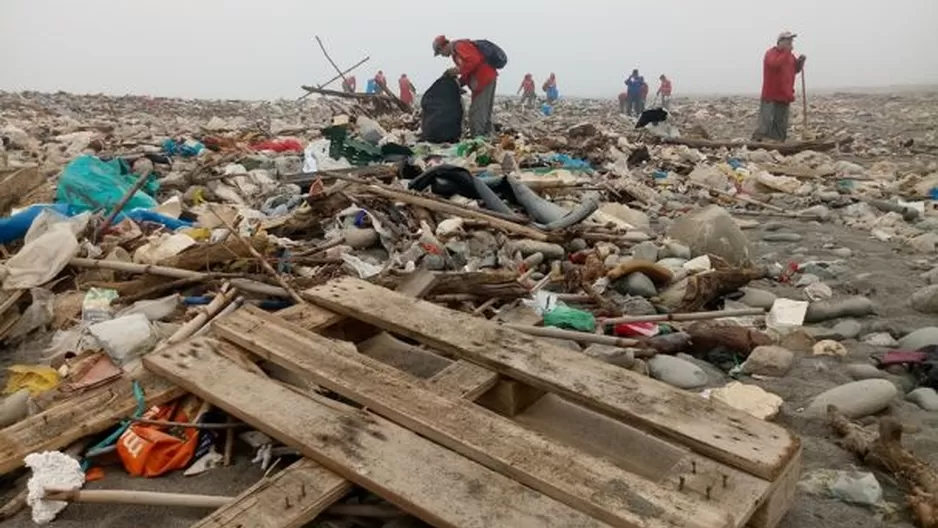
pixel 773 121
pixel 480 112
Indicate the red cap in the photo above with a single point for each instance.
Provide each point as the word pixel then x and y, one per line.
pixel 438 43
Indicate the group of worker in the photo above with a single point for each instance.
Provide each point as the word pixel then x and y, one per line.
pixel 379 83
pixel 632 101
pixel 529 94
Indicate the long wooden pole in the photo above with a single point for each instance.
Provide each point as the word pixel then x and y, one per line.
pixel 804 106
pixel 120 205
pixel 336 78
pixel 697 316
pixel 137 497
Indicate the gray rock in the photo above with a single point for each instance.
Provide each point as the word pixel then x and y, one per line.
pixel 622 357
pixel 434 262
pixel 806 280
pixel 848 328
pixel 757 298
pixel 769 361
pixel 578 244
pixel 358 238
pixel 632 305
pixel 926 299
pixel 528 247
pixel 920 338
pixel 782 237
pixel 924 243
pixel 773 226
pixel 672 264
pixel 636 284
pixel 842 252
pixel 821 212
pixel 864 371
pixel 924 397
pixel 645 251
pixel 677 372
pixel 856 399
pixel 930 277
pixel 712 230
pixel 14 407
pixel 675 250
pixel 822 333
pixel 826 310
pixel 880 339
pixel 611 261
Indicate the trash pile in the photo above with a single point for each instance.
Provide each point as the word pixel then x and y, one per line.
pixel 131 224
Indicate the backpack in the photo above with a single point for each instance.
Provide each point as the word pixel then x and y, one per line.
pixel 494 55
pixel 442 110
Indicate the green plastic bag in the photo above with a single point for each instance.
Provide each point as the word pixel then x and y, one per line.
pixel 570 319
pixel 90 182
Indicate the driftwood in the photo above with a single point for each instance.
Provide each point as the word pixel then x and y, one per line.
pixel 782 148
pixel 885 452
pixel 205 256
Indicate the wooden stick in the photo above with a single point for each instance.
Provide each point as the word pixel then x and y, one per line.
pixel 336 78
pixel 698 316
pixel 149 498
pixel 580 337
pixel 260 258
pixel 14 505
pixel 226 295
pixel 229 443
pixel 159 288
pixel 229 426
pixel 804 103
pixel 120 205
pixel 737 197
pixel 237 303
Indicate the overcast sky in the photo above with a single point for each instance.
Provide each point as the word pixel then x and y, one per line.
pixel 265 49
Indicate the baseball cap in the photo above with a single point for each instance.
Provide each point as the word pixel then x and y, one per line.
pixel 438 44
pixel 786 35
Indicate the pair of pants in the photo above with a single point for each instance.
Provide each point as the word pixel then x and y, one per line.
pixel 528 99
pixel 636 106
pixel 773 121
pixel 665 101
pixel 480 111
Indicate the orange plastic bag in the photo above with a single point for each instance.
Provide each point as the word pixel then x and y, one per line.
pixel 153 450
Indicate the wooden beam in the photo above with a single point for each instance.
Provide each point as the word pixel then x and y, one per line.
pixel 589 484
pixel 427 480
pixel 463 380
pixel 83 415
pixel 16 184
pixel 725 434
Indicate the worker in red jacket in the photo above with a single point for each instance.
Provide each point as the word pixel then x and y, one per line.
pixel 408 91
pixel 349 84
pixel 475 72
pixel 529 96
pixel 664 90
pixel 779 68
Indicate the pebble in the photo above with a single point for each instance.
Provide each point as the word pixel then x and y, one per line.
pixel 647 251
pixel 924 397
pixel 672 264
pixel 829 347
pixel 864 371
pixel 712 230
pixel 855 400
pixel 821 212
pixel 14 407
pixel 806 280
pixel 926 299
pixel 675 250
pixel 920 338
pixel 677 372
pixel 757 298
pixel 622 357
pixel 880 339
pixel 636 284
pixel 772 361
pixel 842 252
pixel 578 244
pixel 527 247
pixel 773 226
pixel 826 310
pixel 848 329
pixel 782 237
pixel 633 305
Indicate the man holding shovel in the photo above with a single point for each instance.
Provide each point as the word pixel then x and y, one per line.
pixel 779 68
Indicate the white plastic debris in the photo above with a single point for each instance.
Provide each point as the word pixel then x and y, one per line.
pixel 124 338
pixel 51 469
pixel 857 488
pixel 786 315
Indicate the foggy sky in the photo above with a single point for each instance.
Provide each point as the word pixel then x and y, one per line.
pixel 265 49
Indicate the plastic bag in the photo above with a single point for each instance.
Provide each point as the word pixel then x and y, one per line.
pixel 153 450
pixel 442 112
pixel 41 260
pixel 36 378
pixel 570 318
pixel 96 184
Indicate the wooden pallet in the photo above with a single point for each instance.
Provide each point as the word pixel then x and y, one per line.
pixel 601 448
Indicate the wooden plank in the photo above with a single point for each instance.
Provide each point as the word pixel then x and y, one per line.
pixel 509 397
pixel 15 185
pixel 82 415
pixel 463 380
pixel 427 480
pixel 781 498
pixel 589 484
pixel 725 434
pixel 289 499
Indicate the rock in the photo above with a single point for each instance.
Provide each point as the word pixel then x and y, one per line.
pixel 864 371
pixel 632 305
pixel 645 251
pixel 675 250
pixel 577 244
pixel 773 226
pixel 930 277
pixel 821 212
pixel 17 137
pixel 826 310
pixel 829 348
pixel 772 361
pixel 782 237
pixel 14 407
pixel 757 298
pixel 818 291
pixel 673 264
pixel 633 217
pixel 807 279
pixel 528 247
pixel 925 397
pixel 712 230
pixel 924 243
pixel 880 339
pixel 677 372
pixel 358 238
pixel 848 329
pixel 636 284
pixel 434 262
pixel 622 357
pixel 798 341
pixel 920 338
pixel 842 252
pixel 748 398
pixel 855 400
pixel 925 300
pixel 370 130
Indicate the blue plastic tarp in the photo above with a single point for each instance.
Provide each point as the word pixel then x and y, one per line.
pixel 90 182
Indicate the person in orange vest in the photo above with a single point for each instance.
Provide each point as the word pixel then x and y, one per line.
pixel 779 69
pixel 529 96
pixel 473 70
pixel 349 84
pixel 407 90
pixel 664 90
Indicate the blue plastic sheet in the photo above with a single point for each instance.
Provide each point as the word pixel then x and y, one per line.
pixel 14 227
pixel 90 182
pixel 182 148
pixel 569 162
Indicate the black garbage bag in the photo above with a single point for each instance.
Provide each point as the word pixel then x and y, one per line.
pixel 441 106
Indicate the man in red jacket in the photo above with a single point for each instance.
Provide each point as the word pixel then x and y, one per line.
pixel 779 69
pixel 407 90
pixel 473 71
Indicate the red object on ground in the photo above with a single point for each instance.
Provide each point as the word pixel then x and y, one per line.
pixel 778 75
pixel 636 329
pixel 279 145
pixel 474 72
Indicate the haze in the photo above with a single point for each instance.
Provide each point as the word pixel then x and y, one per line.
pixel 265 49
